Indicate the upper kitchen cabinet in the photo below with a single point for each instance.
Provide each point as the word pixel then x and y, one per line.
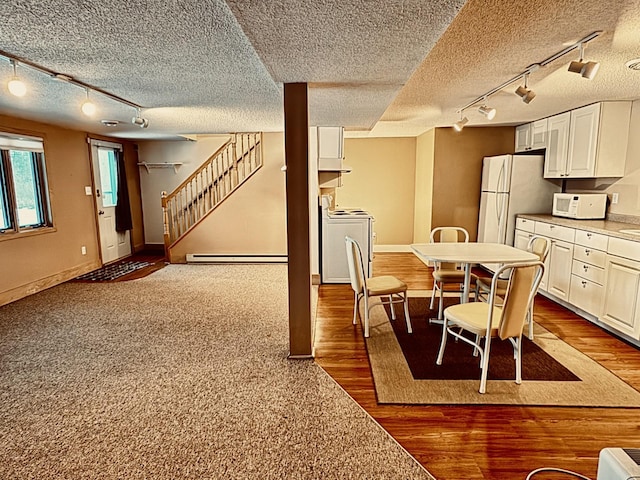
pixel 557 154
pixel 531 136
pixel 330 148
pixel 598 137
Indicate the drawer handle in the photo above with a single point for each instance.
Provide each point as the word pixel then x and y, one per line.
pixel 586 268
pixel 584 284
pixel 588 235
pixel 587 252
pixel 552 227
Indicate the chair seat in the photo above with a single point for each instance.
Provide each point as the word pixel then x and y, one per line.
pixel 385 285
pixel 484 284
pixel 473 317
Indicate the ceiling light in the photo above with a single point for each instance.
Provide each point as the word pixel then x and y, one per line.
pixel 459 125
pixel 588 70
pixel 138 120
pixel 487 111
pixel 16 86
pixel 88 107
pixel 525 93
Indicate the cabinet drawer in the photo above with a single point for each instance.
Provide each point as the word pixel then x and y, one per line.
pixel 588 272
pixel 555 231
pixel 526 225
pixel 624 248
pixel 590 256
pixel 593 240
pixel 586 295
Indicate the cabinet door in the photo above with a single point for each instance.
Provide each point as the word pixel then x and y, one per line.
pixel 544 282
pixel 560 263
pixel 620 307
pixel 586 295
pixel 539 134
pixel 555 161
pixel 583 139
pixel 521 239
pixel 330 141
pixel 523 137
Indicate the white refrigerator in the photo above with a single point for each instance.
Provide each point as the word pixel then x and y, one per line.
pixel 511 185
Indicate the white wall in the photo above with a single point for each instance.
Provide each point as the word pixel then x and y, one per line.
pixel 191 153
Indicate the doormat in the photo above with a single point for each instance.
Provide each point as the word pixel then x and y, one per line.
pixel 113 272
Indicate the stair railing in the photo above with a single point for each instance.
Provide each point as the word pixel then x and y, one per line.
pixel 221 174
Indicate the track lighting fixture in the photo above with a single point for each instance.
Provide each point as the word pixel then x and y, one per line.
pixel 588 70
pixel 487 111
pixel 88 107
pixel 138 120
pixel 459 125
pixel 525 93
pixel 16 86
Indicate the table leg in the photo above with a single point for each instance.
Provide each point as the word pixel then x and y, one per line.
pixel 467 283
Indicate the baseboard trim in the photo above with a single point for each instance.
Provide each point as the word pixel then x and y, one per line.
pixel 232 258
pixel 392 249
pixel 46 282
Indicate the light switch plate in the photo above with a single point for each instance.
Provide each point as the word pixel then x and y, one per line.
pixel 88 190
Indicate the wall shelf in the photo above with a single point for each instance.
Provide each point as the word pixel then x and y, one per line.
pixel 150 165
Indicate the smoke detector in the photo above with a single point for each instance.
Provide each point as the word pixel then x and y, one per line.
pixel 633 64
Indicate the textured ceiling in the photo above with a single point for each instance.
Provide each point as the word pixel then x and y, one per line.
pixel 381 67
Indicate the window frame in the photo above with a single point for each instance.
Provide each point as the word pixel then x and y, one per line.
pixel 35 146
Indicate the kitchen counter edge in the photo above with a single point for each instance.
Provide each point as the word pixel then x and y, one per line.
pixel 605 227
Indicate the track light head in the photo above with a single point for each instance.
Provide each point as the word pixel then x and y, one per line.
pixel 487 111
pixel 587 70
pixel 16 86
pixel 459 125
pixel 525 94
pixel 141 122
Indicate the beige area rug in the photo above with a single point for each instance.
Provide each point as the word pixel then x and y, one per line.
pixel 395 384
pixel 179 375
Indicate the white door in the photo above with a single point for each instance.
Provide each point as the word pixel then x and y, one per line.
pixel 113 244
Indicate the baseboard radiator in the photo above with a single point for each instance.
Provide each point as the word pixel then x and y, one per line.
pixel 619 464
pixel 234 258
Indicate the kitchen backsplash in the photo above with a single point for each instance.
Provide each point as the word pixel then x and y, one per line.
pixel 617 217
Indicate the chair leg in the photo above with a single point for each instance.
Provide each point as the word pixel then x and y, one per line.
pixel 433 295
pixel 393 312
pixel 485 365
pixel 441 305
pixel 443 342
pixel 531 322
pixel 366 315
pixel 518 348
pixel 355 308
pixel 406 313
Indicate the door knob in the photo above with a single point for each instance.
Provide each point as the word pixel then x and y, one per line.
pixel 100 212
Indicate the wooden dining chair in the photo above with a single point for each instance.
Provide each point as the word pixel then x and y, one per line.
pixel 538 245
pixel 447 276
pixel 487 320
pixel 387 287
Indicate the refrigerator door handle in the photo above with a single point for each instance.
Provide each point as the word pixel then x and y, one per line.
pixel 499 186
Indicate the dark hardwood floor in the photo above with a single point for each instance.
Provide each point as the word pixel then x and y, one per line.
pixel 466 442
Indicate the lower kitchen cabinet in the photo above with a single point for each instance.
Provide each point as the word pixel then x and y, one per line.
pixel 559 272
pixel 586 295
pixel 621 306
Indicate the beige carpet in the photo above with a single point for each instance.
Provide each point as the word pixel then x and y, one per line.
pixel 394 383
pixel 179 375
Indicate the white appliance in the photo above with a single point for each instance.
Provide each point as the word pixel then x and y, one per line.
pixel 511 185
pixel 619 464
pixel 580 205
pixel 336 224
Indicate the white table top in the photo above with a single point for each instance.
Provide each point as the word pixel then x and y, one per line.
pixel 472 253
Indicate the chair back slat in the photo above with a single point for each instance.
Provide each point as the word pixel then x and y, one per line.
pixel 521 290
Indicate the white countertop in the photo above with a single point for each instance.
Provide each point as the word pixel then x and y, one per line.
pixel 605 227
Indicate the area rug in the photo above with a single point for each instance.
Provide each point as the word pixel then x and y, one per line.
pixel 394 383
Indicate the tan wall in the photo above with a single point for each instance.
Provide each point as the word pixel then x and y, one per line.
pixel 32 263
pixel 252 220
pixel 382 181
pixel 425 149
pixel 458 170
pixel 628 187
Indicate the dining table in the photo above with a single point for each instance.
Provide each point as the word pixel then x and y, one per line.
pixel 469 254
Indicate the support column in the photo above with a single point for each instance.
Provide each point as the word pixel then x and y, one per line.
pixel 296 141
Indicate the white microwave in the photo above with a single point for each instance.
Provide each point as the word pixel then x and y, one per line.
pixel 580 205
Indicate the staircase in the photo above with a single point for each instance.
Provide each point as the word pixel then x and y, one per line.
pixel 216 179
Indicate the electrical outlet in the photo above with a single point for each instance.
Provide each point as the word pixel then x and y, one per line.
pixel 83 249
pixel 614 198
pixel 88 191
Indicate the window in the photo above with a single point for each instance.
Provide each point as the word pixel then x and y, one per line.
pixel 108 176
pixel 24 197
